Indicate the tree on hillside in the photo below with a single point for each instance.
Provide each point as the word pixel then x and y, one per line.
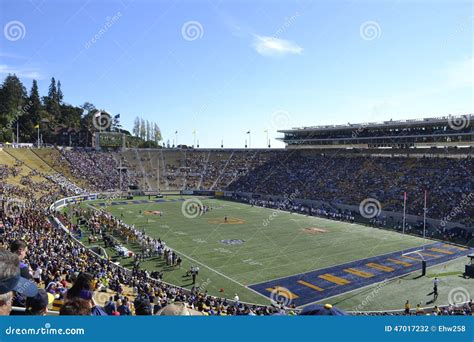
pixel 60 93
pixel 13 97
pixel 136 127
pixel 30 115
pixel 52 104
pixel 142 129
pixel 156 133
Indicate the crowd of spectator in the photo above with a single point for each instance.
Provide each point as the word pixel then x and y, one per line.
pixel 349 180
pixel 99 169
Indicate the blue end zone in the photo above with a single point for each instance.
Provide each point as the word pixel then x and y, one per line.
pixel 316 285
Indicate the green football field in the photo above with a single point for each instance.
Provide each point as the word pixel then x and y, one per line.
pixel 258 244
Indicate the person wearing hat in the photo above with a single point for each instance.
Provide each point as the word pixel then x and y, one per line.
pixel 38 305
pixel 11 280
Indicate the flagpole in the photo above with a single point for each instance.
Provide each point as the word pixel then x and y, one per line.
pixel 424 216
pixel 194 133
pixel 404 210
pixel 38 142
pixel 158 176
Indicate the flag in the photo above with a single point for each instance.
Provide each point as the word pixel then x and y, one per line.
pixel 117 116
pixel 194 131
pixel 248 132
pixel 265 131
pixel 176 132
pixel 37 126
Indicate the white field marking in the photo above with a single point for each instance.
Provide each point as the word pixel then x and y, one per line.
pixel 252 262
pixel 374 284
pixel 177 232
pixel 199 241
pixel 414 252
pixel 217 272
pixel 223 250
pixel 335 265
pixel 129 212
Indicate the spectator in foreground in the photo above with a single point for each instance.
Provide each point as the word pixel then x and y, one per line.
pixel 19 248
pixel 83 289
pixel 38 305
pixel 142 306
pixel 11 280
pixel 76 307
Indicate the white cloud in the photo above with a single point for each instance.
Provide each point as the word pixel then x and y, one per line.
pixel 271 46
pixel 25 73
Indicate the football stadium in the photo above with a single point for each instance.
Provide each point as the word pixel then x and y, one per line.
pixel 364 217
pixel 251 163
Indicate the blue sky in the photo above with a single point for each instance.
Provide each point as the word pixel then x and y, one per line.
pixel 226 67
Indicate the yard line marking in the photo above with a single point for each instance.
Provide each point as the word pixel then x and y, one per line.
pixel 410 257
pixel 380 267
pixel 430 255
pixel 359 273
pixel 444 251
pixel 311 286
pixel 395 261
pixel 333 279
pixel 453 246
